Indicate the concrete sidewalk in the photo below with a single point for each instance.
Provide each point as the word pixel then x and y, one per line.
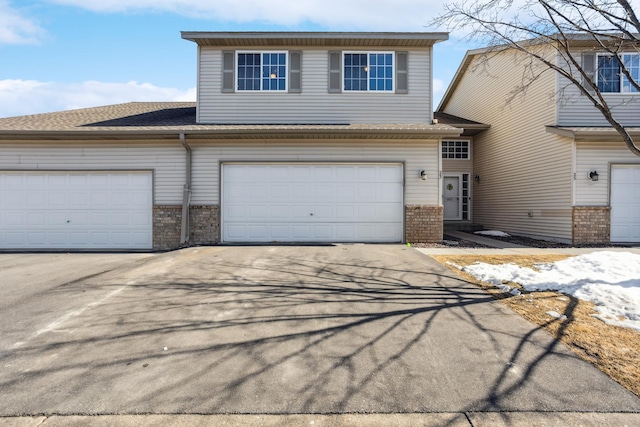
pixel 469 419
pixel 506 248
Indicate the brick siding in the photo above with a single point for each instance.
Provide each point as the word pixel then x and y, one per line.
pixel 423 224
pixel 204 226
pixel 591 224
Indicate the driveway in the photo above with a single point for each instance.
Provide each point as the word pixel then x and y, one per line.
pixel 328 329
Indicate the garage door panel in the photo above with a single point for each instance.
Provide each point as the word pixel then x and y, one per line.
pixel 306 202
pixel 76 210
pixel 346 212
pixel 625 203
pixel 35 219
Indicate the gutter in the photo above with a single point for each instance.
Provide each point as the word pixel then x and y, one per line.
pixel 186 193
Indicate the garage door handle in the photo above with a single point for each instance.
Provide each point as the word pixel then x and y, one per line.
pixel 68 221
pixel 311 214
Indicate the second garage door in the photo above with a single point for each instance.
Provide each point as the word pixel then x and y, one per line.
pixel 312 202
pixel 75 210
pixel 625 203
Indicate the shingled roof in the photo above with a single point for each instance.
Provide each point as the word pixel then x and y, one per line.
pixel 168 119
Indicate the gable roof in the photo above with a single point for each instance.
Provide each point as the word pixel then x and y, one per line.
pixel 462 69
pixel 329 39
pixel 577 40
pixel 146 120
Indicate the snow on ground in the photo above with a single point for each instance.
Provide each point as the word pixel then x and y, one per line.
pixel 611 280
pixel 494 233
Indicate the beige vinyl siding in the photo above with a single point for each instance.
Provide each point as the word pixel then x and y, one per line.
pixel 416 155
pixel 526 173
pixel 575 109
pixel 598 156
pixel 314 105
pixel 165 159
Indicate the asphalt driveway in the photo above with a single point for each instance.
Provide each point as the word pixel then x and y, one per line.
pixel 330 329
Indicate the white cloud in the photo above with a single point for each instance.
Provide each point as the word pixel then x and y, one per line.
pixel 372 15
pixel 19 97
pixel 15 28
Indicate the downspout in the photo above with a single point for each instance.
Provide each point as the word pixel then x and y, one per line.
pixel 186 193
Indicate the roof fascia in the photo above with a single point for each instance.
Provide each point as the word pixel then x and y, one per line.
pixel 439 132
pixel 591 134
pixel 303 38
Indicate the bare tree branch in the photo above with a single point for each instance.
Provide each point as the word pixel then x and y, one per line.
pixel 611 26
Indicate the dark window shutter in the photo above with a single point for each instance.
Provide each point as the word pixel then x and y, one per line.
pixel 589 67
pixel 402 72
pixel 228 71
pixel 295 71
pixel 335 71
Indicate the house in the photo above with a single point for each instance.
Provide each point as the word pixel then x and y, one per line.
pixel 295 137
pixel 548 165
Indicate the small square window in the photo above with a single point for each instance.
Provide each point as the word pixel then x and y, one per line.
pixel 455 150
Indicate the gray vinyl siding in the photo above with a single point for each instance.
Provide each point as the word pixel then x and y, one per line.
pixel 416 155
pixel 314 105
pixel 574 109
pixel 166 160
pixel 598 156
pixel 526 173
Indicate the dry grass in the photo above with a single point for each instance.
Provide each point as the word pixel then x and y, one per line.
pixel 613 349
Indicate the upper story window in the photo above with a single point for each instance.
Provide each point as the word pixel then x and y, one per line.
pixel 455 150
pixel 368 71
pixel 610 77
pixel 261 71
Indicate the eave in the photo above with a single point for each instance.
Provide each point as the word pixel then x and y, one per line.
pixel 315 39
pixel 591 134
pixel 258 132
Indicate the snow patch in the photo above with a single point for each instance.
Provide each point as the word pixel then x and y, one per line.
pixel 494 233
pixel 611 280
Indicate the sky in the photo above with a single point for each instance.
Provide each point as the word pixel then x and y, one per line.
pixel 611 280
pixel 64 54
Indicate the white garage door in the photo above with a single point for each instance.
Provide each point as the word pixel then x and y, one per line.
pixel 625 203
pixel 312 203
pixel 75 210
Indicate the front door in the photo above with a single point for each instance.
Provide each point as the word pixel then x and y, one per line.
pixel 451 200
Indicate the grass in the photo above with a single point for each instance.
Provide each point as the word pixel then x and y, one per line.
pixel 612 349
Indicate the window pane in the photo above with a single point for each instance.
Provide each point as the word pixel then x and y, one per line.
pixel 632 64
pixel 608 74
pixel 355 75
pixel 248 71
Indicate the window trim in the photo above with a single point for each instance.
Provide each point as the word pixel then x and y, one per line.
pixel 621 76
pixel 261 52
pixel 442 152
pixel 369 52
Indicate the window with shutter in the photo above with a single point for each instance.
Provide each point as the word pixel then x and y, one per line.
pixel 261 71
pixel 609 75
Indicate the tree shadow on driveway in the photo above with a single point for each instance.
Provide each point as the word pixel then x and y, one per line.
pixel 350 328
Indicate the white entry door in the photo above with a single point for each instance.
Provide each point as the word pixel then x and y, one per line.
pixel 299 202
pixel 451 200
pixel 625 203
pixel 76 210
